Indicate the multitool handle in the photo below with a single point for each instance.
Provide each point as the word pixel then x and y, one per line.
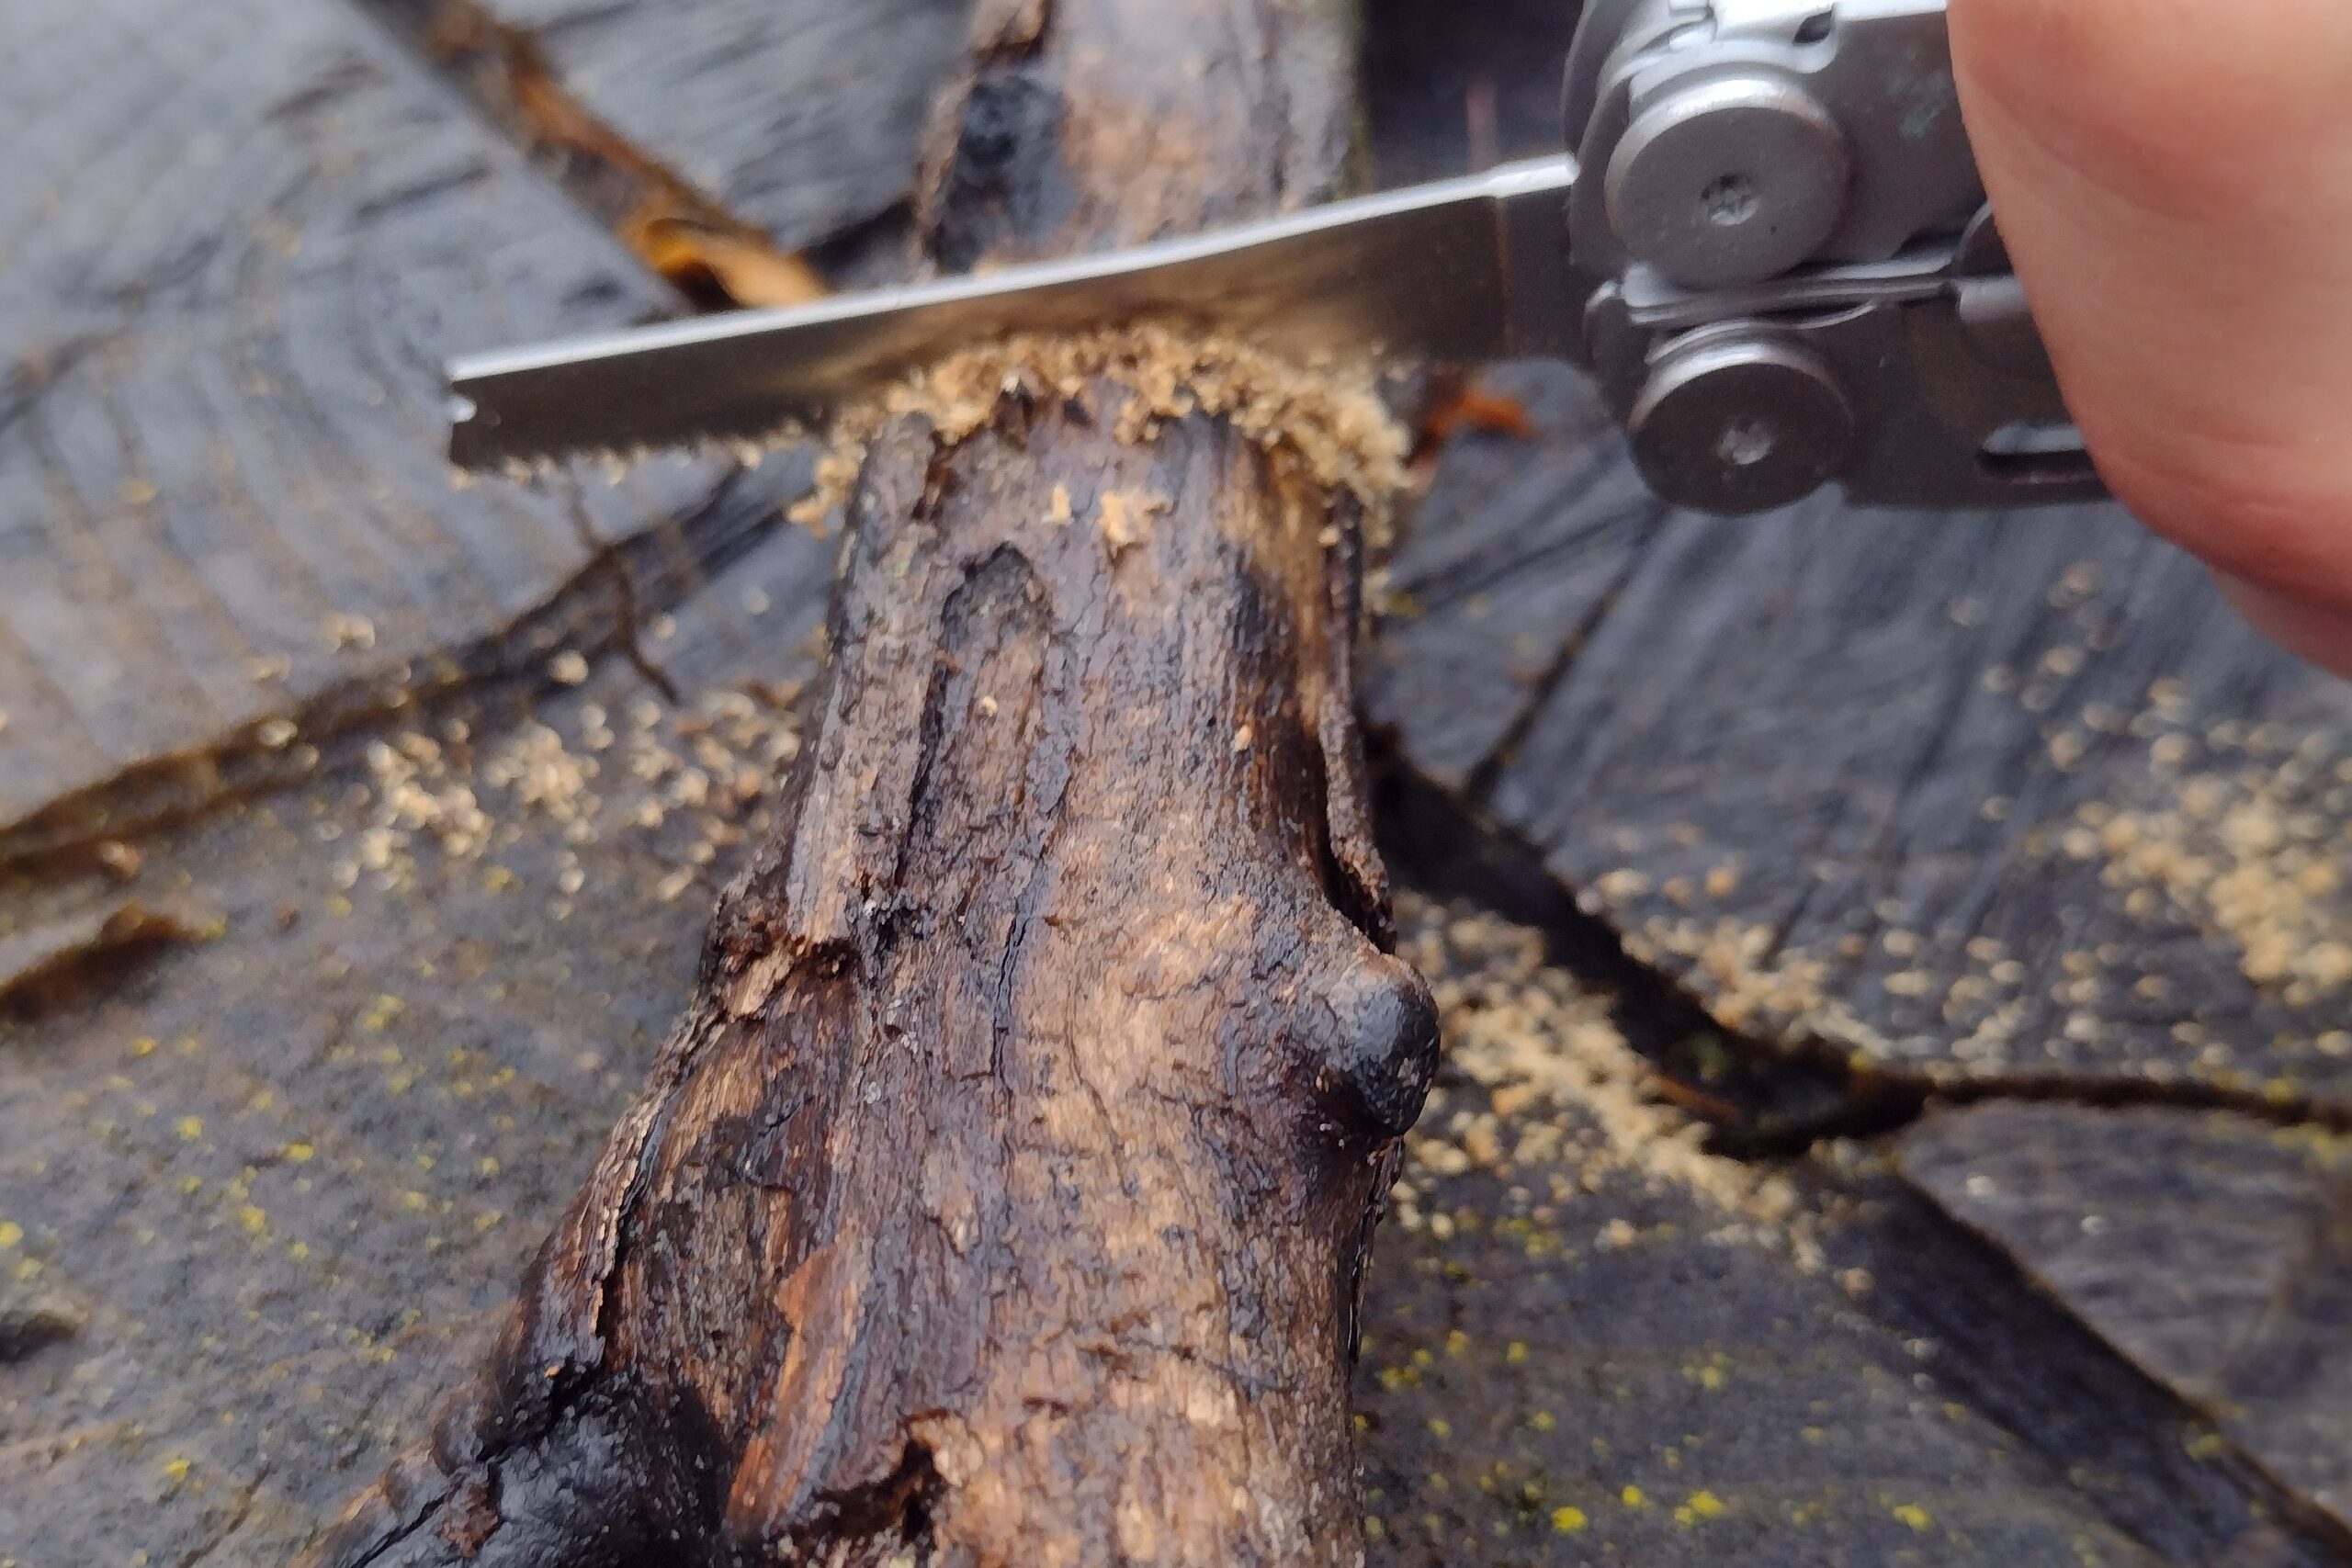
pixel 1792 276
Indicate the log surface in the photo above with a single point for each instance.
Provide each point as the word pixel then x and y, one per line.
pixel 2215 1252
pixel 279 1185
pixel 407 1093
pixel 262 1196
pixel 803 118
pixel 1005 1193
pixel 242 237
pixel 1962 799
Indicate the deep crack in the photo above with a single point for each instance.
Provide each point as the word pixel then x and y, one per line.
pixel 1791 1095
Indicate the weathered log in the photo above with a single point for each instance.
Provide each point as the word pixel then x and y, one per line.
pixel 1003 1196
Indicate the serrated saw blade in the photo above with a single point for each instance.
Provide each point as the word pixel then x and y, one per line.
pixel 1465 269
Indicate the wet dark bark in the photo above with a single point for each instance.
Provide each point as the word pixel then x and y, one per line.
pixel 1003 1195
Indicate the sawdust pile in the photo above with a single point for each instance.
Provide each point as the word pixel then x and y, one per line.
pixel 2239 855
pixel 1564 1095
pixel 1328 411
pixel 704 772
pixel 1753 984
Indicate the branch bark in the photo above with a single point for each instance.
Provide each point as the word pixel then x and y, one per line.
pixel 1004 1193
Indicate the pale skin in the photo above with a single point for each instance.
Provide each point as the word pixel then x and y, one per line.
pixel 2175 181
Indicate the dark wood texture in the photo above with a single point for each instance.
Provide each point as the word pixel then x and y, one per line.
pixel 2215 1252
pixel 1088 124
pixel 264 1199
pixel 241 237
pixel 264 1195
pixel 1005 1193
pixel 1966 798
pixel 803 118
pixel 407 1079
pixel 1590 1342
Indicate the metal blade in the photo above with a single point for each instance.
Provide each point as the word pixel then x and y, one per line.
pixel 1465 269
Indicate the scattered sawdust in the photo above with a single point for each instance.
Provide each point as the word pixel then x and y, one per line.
pixel 1564 1090
pixel 343 631
pixel 2250 854
pixel 2239 830
pixel 1326 410
pixel 687 782
pixel 1753 985
pixel 1125 516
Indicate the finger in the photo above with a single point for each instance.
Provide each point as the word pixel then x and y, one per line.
pixel 2311 628
pixel 2175 181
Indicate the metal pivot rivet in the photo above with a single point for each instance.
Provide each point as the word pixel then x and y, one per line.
pixel 1728 182
pixel 1741 424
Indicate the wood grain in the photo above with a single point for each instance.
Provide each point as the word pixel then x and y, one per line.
pixel 2215 1252
pixel 280 1185
pixel 241 237
pixel 803 118
pixel 1083 125
pixel 409 1079
pixel 1999 800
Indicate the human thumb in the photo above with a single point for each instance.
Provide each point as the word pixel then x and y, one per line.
pixel 2174 178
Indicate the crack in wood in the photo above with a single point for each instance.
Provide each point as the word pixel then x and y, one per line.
pixel 716 258
pixel 601 606
pixel 1789 1095
pixel 2022 1361
pixel 1988 1338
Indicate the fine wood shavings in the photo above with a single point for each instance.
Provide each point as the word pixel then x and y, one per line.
pixel 1326 410
pixel 1123 515
pixel 1563 1086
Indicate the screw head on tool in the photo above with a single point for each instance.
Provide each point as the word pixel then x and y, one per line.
pixel 1729 180
pixel 1741 424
